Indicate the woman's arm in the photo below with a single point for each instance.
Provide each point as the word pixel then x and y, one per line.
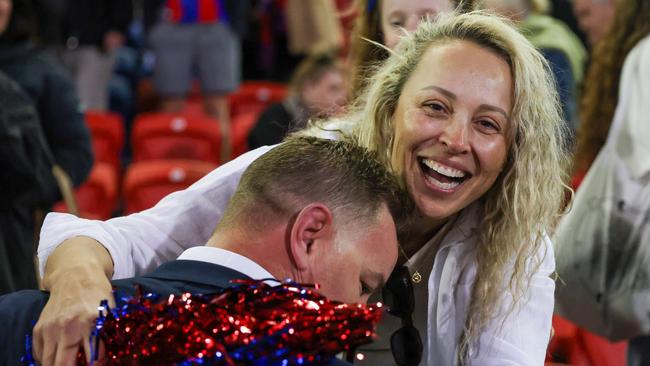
pixel 140 242
pixel 78 257
pixel 78 276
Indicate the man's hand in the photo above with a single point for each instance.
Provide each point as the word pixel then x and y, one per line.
pixel 77 276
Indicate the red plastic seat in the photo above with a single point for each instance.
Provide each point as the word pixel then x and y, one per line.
pixel 97 197
pixel 255 96
pixel 176 136
pixel 601 352
pixel 241 127
pixel 107 131
pixel 147 182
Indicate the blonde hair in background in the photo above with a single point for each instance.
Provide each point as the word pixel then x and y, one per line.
pixel 527 199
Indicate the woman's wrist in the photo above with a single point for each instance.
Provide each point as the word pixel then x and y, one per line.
pixel 80 259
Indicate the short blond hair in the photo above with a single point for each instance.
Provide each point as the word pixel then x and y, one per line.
pixel 526 200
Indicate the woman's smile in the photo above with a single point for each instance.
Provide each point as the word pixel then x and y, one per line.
pixel 441 177
pixel 451 123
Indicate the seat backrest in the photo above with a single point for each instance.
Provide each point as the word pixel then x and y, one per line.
pixel 602 352
pixel 97 196
pixel 147 182
pixel 176 136
pixel 107 130
pixel 241 126
pixel 255 96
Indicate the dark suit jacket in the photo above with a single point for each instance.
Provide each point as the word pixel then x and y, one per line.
pixel 19 311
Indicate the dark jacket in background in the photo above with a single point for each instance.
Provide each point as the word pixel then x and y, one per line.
pixel 19 311
pixel 58 108
pixel 25 170
pixel 276 121
pixel 88 21
pixel 271 127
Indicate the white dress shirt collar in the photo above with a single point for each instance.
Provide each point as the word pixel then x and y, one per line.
pixel 227 259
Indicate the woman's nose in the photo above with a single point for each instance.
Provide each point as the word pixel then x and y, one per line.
pixel 455 136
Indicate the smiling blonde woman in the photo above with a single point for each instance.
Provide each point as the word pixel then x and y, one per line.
pixel 466 114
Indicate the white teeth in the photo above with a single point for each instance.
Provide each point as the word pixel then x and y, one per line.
pixel 441 185
pixel 443 169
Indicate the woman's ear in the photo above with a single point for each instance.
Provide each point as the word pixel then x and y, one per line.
pixel 312 227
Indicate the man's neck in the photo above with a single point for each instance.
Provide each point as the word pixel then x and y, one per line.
pixel 266 249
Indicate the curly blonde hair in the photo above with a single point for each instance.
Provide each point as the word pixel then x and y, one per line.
pixel 524 204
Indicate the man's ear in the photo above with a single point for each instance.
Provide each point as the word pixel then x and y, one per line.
pixel 313 224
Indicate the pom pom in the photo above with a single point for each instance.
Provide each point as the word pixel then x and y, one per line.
pixel 250 323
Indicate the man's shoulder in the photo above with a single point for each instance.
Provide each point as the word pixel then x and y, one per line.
pixel 179 276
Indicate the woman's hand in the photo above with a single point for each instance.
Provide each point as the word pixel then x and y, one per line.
pixel 77 276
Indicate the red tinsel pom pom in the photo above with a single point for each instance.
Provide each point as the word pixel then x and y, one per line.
pixel 250 323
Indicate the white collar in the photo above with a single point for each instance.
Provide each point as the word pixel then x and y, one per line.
pixel 227 259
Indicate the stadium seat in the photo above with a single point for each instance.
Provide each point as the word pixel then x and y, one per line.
pixel 241 127
pixel 107 131
pixel 602 352
pixel 147 182
pixel 255 96
pixel 176 136
pixel 97 197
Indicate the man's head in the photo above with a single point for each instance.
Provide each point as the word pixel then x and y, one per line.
pixel 318 211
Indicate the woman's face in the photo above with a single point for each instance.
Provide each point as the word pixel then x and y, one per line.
pixel 451 125
pixel 400 15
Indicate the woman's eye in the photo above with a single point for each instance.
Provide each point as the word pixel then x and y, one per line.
pixel 436 107
pixel 489 125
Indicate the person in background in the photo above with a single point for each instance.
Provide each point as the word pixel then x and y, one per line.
pixel 465 112
pixel 202 35
pixel 629 25
pixel 56 102
pixel 554 39
pixel 385 22
pixel 89 35
pixel 629 30
pixel 317 90
pixel 594 18
pixel 346 240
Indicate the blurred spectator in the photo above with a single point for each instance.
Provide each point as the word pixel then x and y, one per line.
pixel 594 17
pixel 313 27
pixel 601 89
pixel 201 34
pixel 554 39
pixel 25 166
pixel 563 10
pixel 87 35
pixel 265 48
pixel 57 105
pixel 52 92
pixel 621 37
pixel 65 132
pixel 384 21
pixel 317 90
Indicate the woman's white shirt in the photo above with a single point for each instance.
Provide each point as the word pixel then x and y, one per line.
pixel 140 242
pixel 442 303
